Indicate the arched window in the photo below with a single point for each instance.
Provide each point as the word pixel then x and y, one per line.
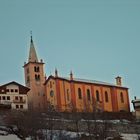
pixel 37 69
pixel 51 93
pixel 34 69
pixel 97 96
pixel 88 94
pixel 37 77
pixel 122 98
pixel 106 96
pixel 68 96
pixel 79 93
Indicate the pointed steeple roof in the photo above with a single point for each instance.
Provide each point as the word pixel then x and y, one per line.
pixel 32 52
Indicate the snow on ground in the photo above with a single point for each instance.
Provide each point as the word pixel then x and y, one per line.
pixel 71 134
pixel 130 136
pixel 9 137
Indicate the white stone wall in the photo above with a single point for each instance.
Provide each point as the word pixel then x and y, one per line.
pixel 13 97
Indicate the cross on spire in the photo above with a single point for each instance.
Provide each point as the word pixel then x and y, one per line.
pixel 32 52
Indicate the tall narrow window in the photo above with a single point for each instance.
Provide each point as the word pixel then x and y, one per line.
pixel 51 93
pixel 79 93
pixel 97 96
pixel 37 77
pixel 8 97
pixel 88 94
pixel 17 106
pixel 122 98
pixel 106 96
pixel 68 96
pixel 35 69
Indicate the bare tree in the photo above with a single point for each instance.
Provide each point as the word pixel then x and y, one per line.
pixel 25 123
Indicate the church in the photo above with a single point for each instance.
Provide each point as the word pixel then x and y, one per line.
pixel 71 94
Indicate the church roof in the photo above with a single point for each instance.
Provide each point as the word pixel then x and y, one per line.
pixel 78 80
pixel 32 52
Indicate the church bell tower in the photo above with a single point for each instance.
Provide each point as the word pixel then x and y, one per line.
pixel 34 79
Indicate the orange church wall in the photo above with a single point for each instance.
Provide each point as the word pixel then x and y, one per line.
pixel 65 93
pixel 51 86
pixel 114 99
pixel 122 106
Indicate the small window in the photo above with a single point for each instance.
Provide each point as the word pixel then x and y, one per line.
pixel 7 90
pixel 21 98
pixel 3 97
pixel 17 106
pixel 8 97
pixel 21 106
pixel 12 90
pixel 106 96
pixel 68 96
pixel 88 94
pixel 79 93
pixel 37 69
pixel 16 97
pixel 122 98
pixel 97 96
pixel 37 77
pixel 16 90
pixel 51 93
pixel 34 69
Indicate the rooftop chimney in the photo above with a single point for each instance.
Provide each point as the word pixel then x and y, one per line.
pixel 118 81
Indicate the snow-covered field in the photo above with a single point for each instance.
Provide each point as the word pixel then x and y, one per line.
pixel 124 136
pixel 130 136
pixel 9 137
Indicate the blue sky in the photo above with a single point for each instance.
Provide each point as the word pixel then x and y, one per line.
pixel 96 39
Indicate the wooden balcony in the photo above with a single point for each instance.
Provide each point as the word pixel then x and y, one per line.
pixel 19 101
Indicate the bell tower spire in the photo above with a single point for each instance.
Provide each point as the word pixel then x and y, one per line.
pixel 34 78
pixel 32 53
